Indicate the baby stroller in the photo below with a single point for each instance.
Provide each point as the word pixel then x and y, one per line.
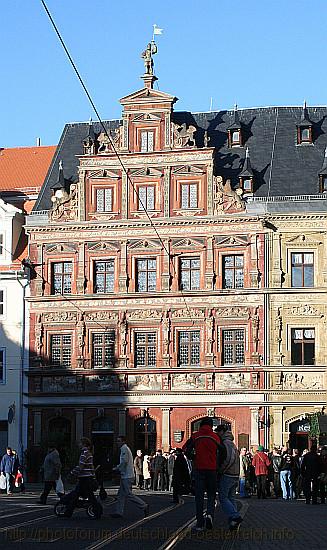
pixel 80 497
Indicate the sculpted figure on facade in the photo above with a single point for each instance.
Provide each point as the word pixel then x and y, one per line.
pixel 150 50
pixel 123 334
pixel 81 333
pixel 109 141
pixel 66 207
pixel 39 335
pixel 218 195
pixel 255 329
pixel 183 136
pixel 166 332
pixel 209 333
pixel 278 328
pixel 233 198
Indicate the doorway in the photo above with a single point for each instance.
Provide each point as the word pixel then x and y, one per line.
pixel 195 426
pixel 103 443
pixel 145 435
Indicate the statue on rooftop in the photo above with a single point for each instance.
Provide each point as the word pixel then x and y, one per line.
pixel 151 49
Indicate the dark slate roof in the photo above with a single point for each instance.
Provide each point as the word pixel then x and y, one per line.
pixel 279 165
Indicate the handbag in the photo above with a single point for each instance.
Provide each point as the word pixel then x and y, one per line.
pixel 60 490
pixel 3 482
pixel 18 479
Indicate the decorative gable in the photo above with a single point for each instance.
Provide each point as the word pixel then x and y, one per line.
pixel 100 174
pixel 147 95
pixel 187 170
pixel 103 246
pixel 303 241
pixel 147 117
pixel 234 241
pixel 144 244
pixel 191 243
pixel 146 171
pixel 61 247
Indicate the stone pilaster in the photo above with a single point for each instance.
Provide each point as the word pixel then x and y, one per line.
pixel 80 282
pixel 277 413
pixel 165 277
pixel 209 273
pixel 125 136
pixel 167 131
pixel 122 422
pixel 210 189
pixel 166 192
pixel 81 195
pixel 165 441
pixel 254 436
pixel 122 281
pixel 124 196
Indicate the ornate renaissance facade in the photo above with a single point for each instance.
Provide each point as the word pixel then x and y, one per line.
pixel 162 258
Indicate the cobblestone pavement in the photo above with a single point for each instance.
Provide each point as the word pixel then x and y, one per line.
pixel 269 524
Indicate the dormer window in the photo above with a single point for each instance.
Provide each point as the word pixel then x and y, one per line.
pixel 323 184
pixel 147 141
pixel 236 138
pixel 246 176
pixel 247 185
pixel 304 128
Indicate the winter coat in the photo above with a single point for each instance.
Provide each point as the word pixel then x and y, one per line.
pixel 276 461
pixel 159 463
pixel 146 468
pixel 51 466
pixel 311 465
pixel 244 466
pixel 181 473
pixel 261 463
pixel 287 462
pixel 9 464
pixel 231 464
pixel 205 448
pixel 170 465
pixel 138 465
pixel 126 465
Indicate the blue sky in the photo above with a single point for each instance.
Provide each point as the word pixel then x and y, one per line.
pixel 253 52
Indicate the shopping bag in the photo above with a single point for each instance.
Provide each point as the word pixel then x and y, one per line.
pixel 3 483
pixel 60 486
pixel 18 479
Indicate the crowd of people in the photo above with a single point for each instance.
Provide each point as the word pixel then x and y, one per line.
pixel 208 463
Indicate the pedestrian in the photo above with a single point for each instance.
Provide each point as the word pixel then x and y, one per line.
pixel 244 473
pixel 8 469
pixel 276 461
pixel 181 476
pixel 206 445
pixel 86 479
pixel 323 475
pixel 296 477
pixel 146 472
pixel 170 468
pixel 51 470
pixel 228 477
pixel 165 473
pixel 261 464
pixel 159 467
pixel 286 468
pixel 311 469
pixel 152 459
pixel 138 469
pixel 126 470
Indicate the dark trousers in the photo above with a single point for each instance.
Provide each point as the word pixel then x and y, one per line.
pixel 48 485
pixel 139 480
pixel 158 481
pixel 310 488
pixel 205 481
pixel 322 491
pixel 276 483
pixel 261 486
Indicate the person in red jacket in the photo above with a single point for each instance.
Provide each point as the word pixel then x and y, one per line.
pixel 205 444
pixel 261 463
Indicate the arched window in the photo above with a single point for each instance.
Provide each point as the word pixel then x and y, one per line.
pixel 145 434
pixel 216 421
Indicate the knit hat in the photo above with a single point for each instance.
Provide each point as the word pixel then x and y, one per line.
pixel 260 448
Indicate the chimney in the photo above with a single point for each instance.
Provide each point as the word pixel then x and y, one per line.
pixel 38 142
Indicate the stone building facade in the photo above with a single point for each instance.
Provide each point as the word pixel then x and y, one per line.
pixel 160 272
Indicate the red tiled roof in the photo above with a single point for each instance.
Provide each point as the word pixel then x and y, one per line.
pixel 24 168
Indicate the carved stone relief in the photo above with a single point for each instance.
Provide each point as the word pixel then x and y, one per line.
pixel 304 310
pixel 187 313
pixel 233 381
pixel 187 381
pixel 144 314
pixel 298 381
pixel 233 311
pixel 145 382
pixel 107 382
pixel 60 316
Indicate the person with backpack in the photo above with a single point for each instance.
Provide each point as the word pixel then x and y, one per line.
pixel 228 477
pixel 203 448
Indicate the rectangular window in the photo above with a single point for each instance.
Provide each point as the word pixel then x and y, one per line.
pixel 235 137
pixel 103 349
pixel 147 142
pixel 233 347
pixel 303 346
pixel 145 349
pixel 146 275
pixel 62 277
pixel 2 365
pixel 189 195
pixel 233 272
pixel 189 348
pixel 104 276
pixel 189 273
pixel 104 200
pixel 1 245
pixel 146 197
pixel 61 350
pixel 1 302
pixel 302 269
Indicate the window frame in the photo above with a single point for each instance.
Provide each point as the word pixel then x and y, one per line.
pixel 303 266
pixel 233 269
pixel 62 348
pixel 303 341
pixel 105 260
pixel 103 346
pixel 189 185
pixel 190 270
pixel 147 271
pixel 189 344
pixel 2 303
pixel 147 132
pixel 234 343
pixel 146 187
pixel 146 347
pixel 52 271
pixel 98 189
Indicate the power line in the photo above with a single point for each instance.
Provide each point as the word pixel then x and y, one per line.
pixel 110 139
